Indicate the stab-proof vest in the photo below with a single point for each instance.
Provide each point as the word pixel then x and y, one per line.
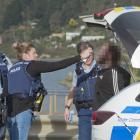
pixel 85 88
pixel 19 81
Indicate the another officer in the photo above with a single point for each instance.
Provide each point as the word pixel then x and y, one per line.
pixel 24 83
pixel 81 95
pixel 5 64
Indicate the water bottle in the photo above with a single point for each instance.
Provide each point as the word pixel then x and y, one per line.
pixel 71 115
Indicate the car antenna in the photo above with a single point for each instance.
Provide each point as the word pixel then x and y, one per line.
pixel 114 4
pixel 92 7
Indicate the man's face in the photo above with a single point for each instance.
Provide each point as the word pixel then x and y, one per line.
pixel 103 55
pixel 87 56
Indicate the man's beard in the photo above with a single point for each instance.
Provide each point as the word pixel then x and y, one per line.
pixel 101 60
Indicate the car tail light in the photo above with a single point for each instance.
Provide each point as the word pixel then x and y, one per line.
pixel 100 15
pixel 99 117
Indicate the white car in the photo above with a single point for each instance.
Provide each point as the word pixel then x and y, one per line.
pixel 119 117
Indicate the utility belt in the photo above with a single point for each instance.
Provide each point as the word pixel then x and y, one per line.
pixel 20 95
pixel 82 104
pixel 36 100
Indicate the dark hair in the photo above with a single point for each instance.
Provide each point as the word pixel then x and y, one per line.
pixel 83 46
pixel 116 54
pixel 21 48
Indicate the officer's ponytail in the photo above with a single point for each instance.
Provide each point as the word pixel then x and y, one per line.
pixel 21 48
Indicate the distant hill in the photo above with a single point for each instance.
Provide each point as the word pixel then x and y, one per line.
pixel 49 15
pixel 36 20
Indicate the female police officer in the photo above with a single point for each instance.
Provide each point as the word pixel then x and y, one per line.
pixel 21 77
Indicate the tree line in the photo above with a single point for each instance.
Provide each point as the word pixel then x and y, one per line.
pixel 49 15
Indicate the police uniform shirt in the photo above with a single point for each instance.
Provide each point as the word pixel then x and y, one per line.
pixel 74 82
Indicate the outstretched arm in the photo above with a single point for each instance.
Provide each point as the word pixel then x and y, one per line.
pixel 37 67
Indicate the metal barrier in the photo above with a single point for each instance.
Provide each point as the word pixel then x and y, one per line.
pixel 54 102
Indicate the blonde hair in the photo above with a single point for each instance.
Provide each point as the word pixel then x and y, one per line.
pixel 22 48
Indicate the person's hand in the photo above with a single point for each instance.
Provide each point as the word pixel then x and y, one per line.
pixel 66 114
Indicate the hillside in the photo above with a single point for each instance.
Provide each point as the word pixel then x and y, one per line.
pixel 37 20
pixel 49 15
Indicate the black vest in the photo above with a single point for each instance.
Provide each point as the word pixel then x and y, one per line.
pixel 85 88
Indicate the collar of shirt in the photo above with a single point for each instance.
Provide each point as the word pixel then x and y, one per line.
pixel 92 65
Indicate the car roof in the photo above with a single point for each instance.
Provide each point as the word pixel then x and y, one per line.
pixel 109 15
pixel 107 18
pixel 116 12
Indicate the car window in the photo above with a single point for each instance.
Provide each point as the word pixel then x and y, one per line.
pixel 131 23
pixel 138 98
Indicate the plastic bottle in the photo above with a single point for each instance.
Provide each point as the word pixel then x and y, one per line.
pixel 71 115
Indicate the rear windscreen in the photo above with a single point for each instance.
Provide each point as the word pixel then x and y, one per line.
pixel 129 22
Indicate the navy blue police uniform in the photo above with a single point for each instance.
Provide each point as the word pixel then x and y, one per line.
pixel 23 86
pixel 24 80
pixel 83 98
pixel 22 89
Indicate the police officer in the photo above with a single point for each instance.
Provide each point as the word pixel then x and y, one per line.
pixel 21 79
pixel 81 95
pixel 5 64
